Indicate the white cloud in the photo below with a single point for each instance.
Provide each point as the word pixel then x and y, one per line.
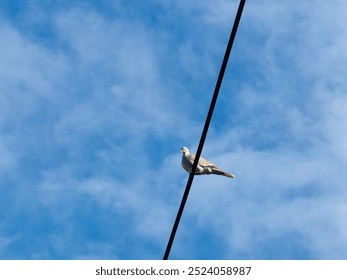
pixel 90 115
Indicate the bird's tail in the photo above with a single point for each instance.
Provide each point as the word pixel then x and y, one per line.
pixel 228 175
pixel 223 173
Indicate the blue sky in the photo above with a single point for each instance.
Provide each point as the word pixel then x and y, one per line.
pixel 98 97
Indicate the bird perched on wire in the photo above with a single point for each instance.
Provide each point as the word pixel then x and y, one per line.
pixel 203 167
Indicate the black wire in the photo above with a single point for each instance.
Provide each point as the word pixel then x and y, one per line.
pixel 207 124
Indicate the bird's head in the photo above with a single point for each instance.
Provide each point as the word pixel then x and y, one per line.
pixel 185 150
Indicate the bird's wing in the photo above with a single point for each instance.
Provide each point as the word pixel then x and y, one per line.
pixel 202 162
pixel 205 163
pixel 204 167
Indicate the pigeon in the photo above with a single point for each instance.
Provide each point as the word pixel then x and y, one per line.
pixel 204 166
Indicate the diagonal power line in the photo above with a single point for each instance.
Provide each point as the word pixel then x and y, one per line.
pixel 207 124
